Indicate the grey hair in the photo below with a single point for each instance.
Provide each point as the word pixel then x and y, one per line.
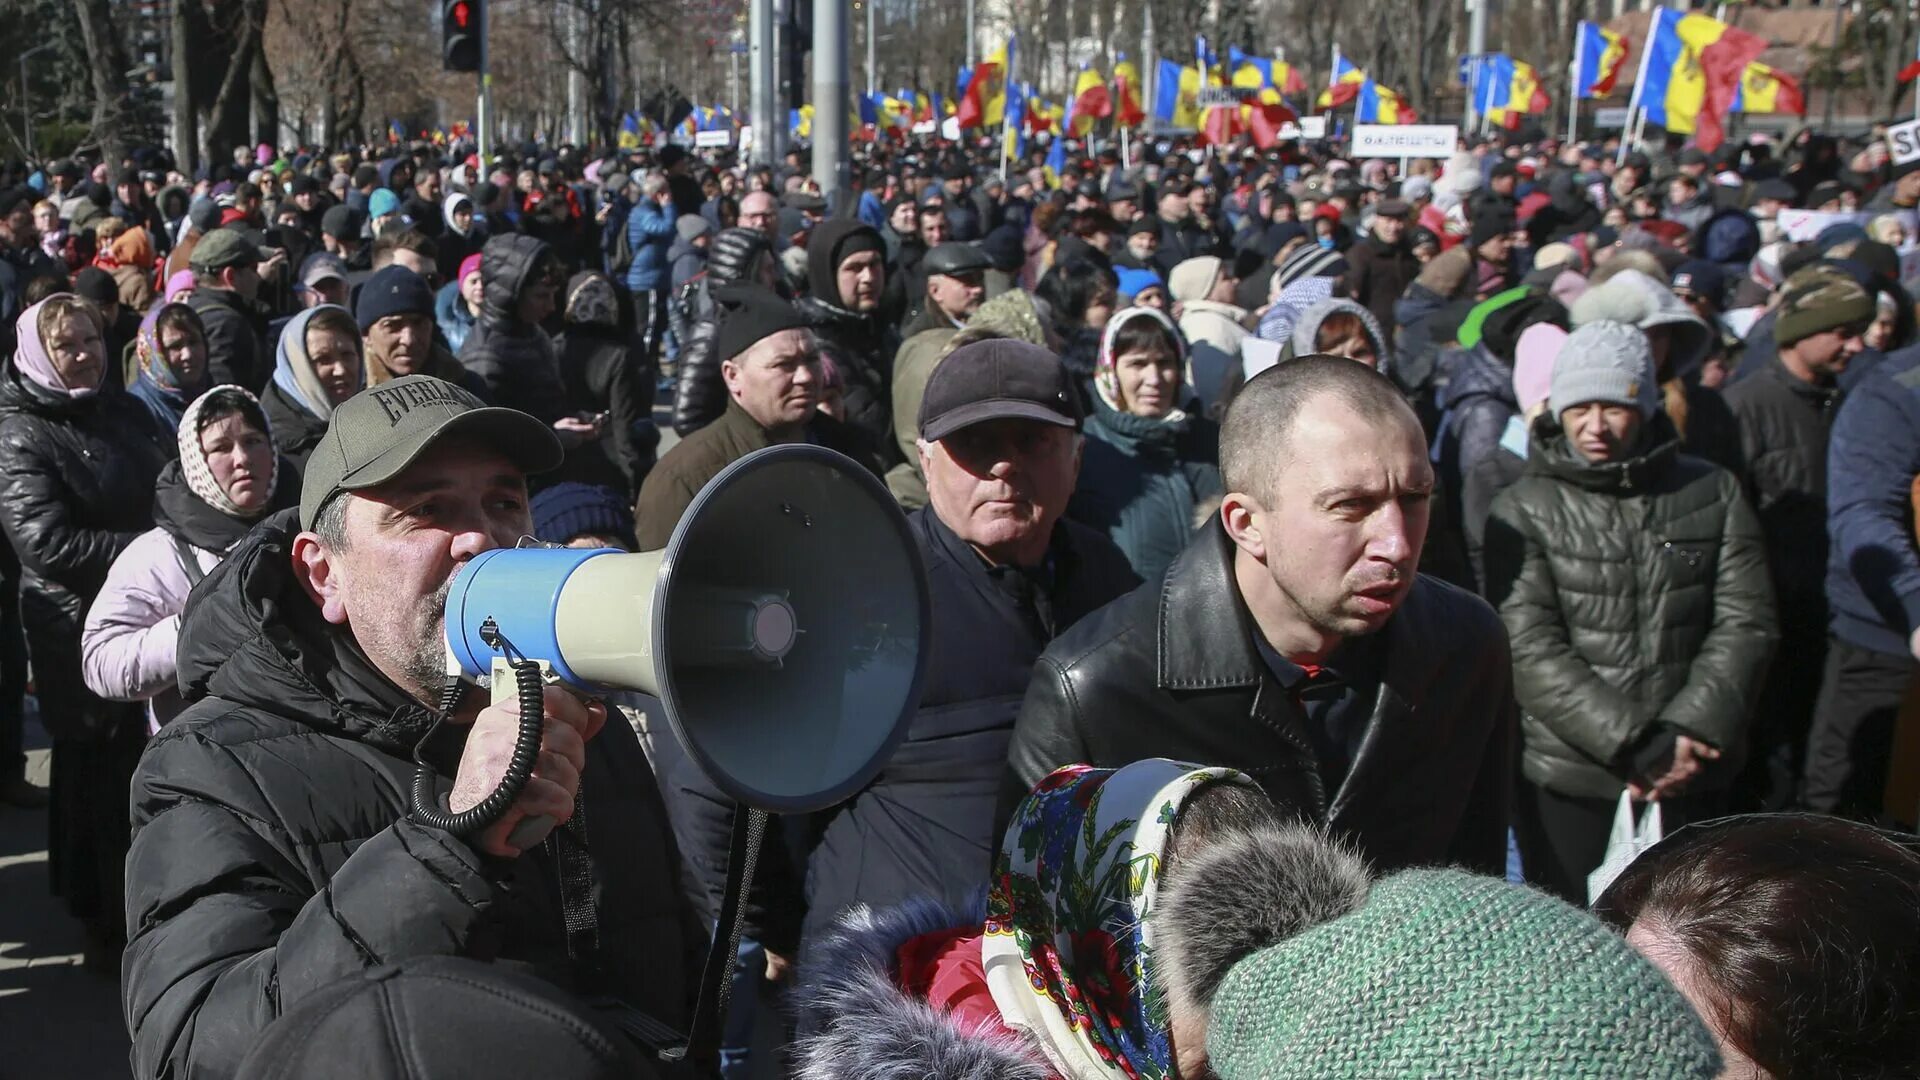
pixel 653 185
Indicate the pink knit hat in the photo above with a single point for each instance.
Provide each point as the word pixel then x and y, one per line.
pixel 1533 363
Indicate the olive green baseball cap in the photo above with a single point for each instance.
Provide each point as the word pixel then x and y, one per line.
pixel 375 434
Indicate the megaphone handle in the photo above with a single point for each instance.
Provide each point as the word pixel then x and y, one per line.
pixel 506 689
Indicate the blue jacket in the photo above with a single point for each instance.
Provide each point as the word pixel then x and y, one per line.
pixel 872 211
pixel 452 317
pixel 650 233
pixel 1873 570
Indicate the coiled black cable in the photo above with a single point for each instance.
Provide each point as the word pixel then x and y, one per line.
pixel 526 748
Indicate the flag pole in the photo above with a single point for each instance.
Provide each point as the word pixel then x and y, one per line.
pixel 1006 96
pixel 1628 135
pixel 1573 89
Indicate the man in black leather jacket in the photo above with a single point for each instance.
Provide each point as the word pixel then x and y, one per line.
pixel 1293 639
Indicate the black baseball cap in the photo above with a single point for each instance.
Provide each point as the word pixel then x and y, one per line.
pixel 997 380
pixel 378 432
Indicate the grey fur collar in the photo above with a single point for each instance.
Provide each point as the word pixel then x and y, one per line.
pixel 861 1026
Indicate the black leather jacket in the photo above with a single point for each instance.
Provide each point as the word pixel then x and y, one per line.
pixel 1171 670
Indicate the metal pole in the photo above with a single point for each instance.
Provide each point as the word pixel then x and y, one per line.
pixel 872 81
pixel 972 37
pixel 1150 72
pixel 1627 137
pixel 830 87
pixel 485 105
pixel 760 79
pixel 1476 47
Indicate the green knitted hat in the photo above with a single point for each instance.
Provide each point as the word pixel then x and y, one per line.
pixel 1442 973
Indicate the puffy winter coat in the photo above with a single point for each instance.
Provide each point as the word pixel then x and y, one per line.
pixel 273 852
pixel 699 393
pixel 513 360
pixel 650 234
pixel 1142 478
pixel 1636 595
pixel 76 487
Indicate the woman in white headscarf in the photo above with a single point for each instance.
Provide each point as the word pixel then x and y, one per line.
pixel 317 366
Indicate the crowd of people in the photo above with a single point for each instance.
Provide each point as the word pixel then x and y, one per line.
pixel 1326 564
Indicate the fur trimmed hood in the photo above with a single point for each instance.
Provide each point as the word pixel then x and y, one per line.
pixel 1637 299
pixel 862 1026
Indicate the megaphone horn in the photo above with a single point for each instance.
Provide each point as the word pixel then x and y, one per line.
pixel 784 627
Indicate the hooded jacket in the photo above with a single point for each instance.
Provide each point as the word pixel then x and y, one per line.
pixel 1214 332
pixel 1707 427
pixel 1636 595
pixel 862 345
pixel 273 852
pixel 453 246
pixel 699 393
pixel 514 361
pixel 451 316
pixel 596 364
pixel 1306 331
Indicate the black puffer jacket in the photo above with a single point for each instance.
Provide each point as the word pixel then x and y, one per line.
pixel 1637 599
pixel 862 345
pixel 76 487
pixel 1784 426
pixel 699 394
pixel 514 361
pixel 272 852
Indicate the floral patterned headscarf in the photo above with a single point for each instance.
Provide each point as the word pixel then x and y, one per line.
pixel 1069 933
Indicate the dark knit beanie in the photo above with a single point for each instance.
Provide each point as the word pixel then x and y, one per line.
pixel 568 510
pixel 96 285
pixel 1820 297
pixel 750 313
pixel 392 290
pixel 1489 224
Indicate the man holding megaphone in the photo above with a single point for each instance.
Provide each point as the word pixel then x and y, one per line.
pixel 273 849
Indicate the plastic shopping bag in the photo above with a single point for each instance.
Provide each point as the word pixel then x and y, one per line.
pixel 1625 843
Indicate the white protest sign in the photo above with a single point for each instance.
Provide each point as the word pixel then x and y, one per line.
pixel 1903 142
pixel 1800 226
pixel 1214 97
pixel 706 139
pixel 1405 140
pixel 1313 127
pixel 950 129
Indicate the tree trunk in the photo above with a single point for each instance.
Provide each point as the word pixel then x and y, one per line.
pixel 266 100
pixel 107 62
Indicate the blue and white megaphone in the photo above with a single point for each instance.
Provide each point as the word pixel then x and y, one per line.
pixel 783 628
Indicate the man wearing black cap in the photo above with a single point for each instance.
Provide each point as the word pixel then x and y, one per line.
pixel 1007 573
pixel 274 850
pixel 131 205
pixel 1381 267
pixel 770 362
pixel 1142 248
pixel 226 281
pixel 394 310
pixel 1123 201
pixel 846 278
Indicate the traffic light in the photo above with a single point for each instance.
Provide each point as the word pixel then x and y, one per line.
pixel 460 27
